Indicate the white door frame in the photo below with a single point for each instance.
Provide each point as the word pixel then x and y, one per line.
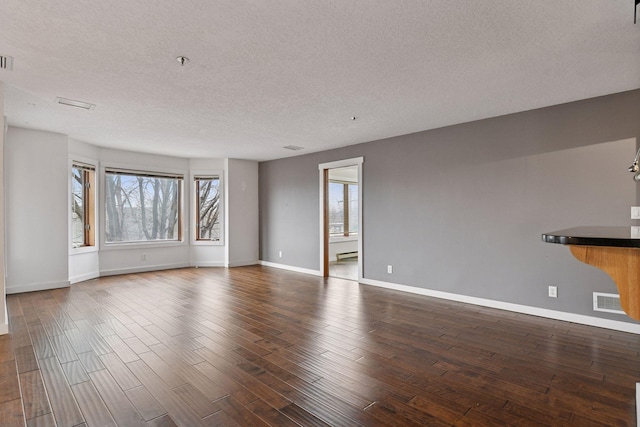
pixel 356 161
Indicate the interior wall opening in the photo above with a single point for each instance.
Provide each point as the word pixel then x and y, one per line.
pixel 343 222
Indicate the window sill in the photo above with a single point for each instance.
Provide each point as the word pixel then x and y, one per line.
pixel 142 245
pixel 343 239
pixel 83 250
pixel 207 243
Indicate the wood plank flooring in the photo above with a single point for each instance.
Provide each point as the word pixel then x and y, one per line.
pixel 256 346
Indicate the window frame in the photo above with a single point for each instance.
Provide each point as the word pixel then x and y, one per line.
pixel 90 197
pixel 193 229
pixel 160 172
pixel 346 235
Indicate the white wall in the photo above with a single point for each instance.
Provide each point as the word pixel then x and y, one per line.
pixel 79 150
pixel 36 194
pixel 4 322
pixel 342 245
pixel 84 266
pixel 241 212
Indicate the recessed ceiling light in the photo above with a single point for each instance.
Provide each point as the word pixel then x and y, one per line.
pixel 293 147
pixel 6 62
pixel 77 104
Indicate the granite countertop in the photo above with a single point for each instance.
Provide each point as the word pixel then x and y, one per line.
pixel 624 237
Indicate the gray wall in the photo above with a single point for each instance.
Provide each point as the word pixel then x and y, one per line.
pixel 461 209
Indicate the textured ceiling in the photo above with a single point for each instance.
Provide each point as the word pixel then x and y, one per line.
pixel 266 74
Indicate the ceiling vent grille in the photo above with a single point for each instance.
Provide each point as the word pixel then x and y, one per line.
pixel 293 147
pixel 6 63
pixel 609 303
pixel 76 104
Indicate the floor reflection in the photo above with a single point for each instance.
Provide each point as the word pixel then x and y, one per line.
pixel 344 269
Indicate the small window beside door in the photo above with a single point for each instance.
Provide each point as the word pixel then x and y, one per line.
pixel 83 179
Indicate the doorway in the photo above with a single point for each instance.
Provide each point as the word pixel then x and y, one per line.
pixel 341 219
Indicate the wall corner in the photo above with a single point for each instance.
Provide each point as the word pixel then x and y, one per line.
pixel 4 327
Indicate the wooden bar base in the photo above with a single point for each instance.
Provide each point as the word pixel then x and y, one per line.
pixel 623 265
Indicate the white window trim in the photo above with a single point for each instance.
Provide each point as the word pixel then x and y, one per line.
pixel 84 249
pixel 193 222
pixel 139 245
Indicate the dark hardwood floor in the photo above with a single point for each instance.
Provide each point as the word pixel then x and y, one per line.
pixel 256 346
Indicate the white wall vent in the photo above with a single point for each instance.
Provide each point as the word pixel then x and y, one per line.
pixel 73 103
pixel 609 303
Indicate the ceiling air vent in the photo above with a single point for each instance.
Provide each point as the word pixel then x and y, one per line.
pixel 77 104
pixel 293 147
pixel 609 303
pixel 6 63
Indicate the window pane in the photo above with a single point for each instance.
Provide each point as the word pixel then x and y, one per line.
pixel 141 208
pixel 82 206
pixel 208 198
pixel 353 208
pixel 78 207
pixel 336 209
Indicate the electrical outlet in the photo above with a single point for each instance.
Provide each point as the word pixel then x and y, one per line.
pixel 390 269
pixel 144 257
pixel 635 212
pixel 280 254
pixel 553 291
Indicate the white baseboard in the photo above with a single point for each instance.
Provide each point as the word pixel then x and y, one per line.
pixel 83 277
pixel 291 268
pixel 144 269
pixel 517 308
pixel 638 404
pixel 207 264
pixel 33 287
pixel 243 263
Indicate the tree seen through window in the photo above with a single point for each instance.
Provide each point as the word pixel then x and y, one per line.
pixel 208 208
pixel 141 207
